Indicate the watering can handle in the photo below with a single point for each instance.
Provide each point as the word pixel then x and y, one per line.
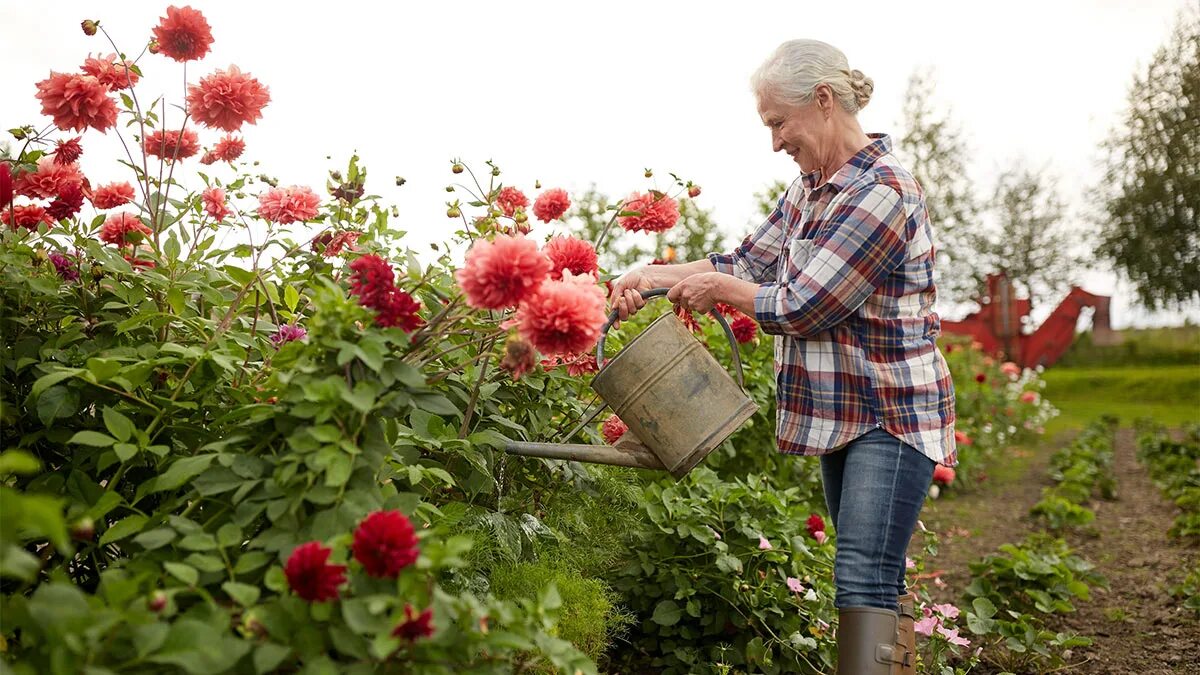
pixel 662 292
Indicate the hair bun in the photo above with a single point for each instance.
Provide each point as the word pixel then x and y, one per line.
pixel 862 86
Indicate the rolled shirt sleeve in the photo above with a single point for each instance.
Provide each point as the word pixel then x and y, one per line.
pixel 863 241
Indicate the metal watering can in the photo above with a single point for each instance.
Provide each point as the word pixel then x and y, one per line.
pixel 677 401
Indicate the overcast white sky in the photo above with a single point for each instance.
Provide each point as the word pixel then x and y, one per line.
pixel 576 94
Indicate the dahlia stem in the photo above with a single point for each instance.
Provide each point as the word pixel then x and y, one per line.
pixel 470 412
pixel 604 232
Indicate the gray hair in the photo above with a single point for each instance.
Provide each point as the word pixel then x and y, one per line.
pixel 793 72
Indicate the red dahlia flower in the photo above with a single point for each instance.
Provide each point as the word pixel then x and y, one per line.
pixel 183 34
pixel 510 199
pixel 519 357
pixel 385 543
pixel 502 272
pixel 77 102
pixel 48 180
pixel 28 216
pixel 414 626
pixel 613 429
pixel 112 195
pixel 309 575
pixel 815 524
pixel 214 203
pixel 229 148
pixel 171 145
pixel 123 228
pixel 572 254
pixel 227 99
pixel 67 152
pixel 563 317
pixel 551 204
pixel 288 205
pixel 656 212
pixel 109 73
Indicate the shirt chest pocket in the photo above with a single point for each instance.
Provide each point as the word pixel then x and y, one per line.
pixel 798 253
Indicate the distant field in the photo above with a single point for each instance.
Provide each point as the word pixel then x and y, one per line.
pixel 1169 394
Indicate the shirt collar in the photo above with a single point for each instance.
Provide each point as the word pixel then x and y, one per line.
pixel 880 145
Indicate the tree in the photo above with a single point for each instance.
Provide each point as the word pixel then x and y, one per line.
pixel 1152 229
pixel 1031 243
pixel 934 151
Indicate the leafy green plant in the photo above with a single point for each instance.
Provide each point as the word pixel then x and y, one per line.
pixel 1175 468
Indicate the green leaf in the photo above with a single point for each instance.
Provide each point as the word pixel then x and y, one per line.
pixel 229 535
pixel 291 297
pixel 666 613
pixel 185 573
pixel 46 381
pixel 156 538
pixel 181 471
pixel 118 424
pixel 171 251
pixel 337 472
pixel 92 438
pixel 56 402
pixel 18 462
pixel 267 657
pixel 103 369
pixel 244 594
pixel 123 528
pixel 125 451
pixel 251 561
pixel 175 299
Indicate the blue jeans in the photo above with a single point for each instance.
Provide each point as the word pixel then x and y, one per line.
pixel 874 488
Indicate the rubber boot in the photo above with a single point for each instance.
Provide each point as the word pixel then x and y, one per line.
pixel 866 640
pixel 906 636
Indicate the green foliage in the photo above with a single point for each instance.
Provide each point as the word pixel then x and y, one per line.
pixel 1175 468
pixel 588 618
pixel 1010 593
pixel 1178 346
pixel 1188 590
pixel 711 596
pixel 1080 471
pixel 1151 185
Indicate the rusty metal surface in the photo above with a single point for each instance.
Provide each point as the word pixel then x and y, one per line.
pixel 625 453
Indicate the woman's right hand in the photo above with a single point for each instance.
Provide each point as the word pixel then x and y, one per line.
pixel 626 294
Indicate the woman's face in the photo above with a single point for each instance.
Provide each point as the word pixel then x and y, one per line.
pixel 796 130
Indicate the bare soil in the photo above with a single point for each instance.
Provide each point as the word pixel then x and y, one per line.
pixel 1136 626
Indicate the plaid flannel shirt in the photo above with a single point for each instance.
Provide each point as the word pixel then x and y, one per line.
pixel 845 274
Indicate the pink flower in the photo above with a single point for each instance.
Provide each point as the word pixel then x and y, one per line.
pixel 287 333
pixel 77 102
pixel 551 204
pixel 909 564
pixel 502 272
pixel 112 195
pixel 952 637
pixel 926 625
pixel 519 358
pixel 962 438
pixel 821 537
pixel 66 266
pixel 171 145
pixel 656 212
pixel 6 184
pixel 344 240
pixel 123 228
pixel 183 34
pixel 47 181
pixel 288 205
pixel 794 585
pixel 214 203
pixel 613 429
pixel 1010 369
pixel 570 253
pixel 510 199
pixel 943 475
pixel 68 202
pixel 947 610
pixel 111 74
pixel 227 99
pixel 229 148
pixel 763 544
pixel 563 317
pixel 372 281
pixel 1029 397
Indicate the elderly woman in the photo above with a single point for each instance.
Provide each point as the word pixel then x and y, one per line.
pixel 842 274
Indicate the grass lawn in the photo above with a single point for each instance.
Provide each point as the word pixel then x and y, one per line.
pixel 1169 394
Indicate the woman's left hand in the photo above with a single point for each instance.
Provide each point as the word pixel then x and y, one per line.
pixel 699 292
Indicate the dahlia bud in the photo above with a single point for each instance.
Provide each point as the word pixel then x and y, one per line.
pixel 336 175
pixel 745 587
pixel 453 212
pixel 520 216
pixel 537 185
pixel 400 180
pixel 153 47
pixel 649 173
pixel 157 601
pixel 83 529
pixel 694 191
pixel 89 26
pixel 449 188
pixel 457 168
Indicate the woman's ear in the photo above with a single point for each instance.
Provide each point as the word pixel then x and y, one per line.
pixel 823 95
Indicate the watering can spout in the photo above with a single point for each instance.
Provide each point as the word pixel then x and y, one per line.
pixel 627 451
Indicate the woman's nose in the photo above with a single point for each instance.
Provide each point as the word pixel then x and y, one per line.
pixel 776 142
